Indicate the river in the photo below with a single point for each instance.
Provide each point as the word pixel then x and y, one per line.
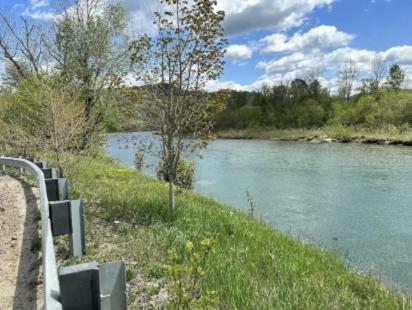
pixel 353 199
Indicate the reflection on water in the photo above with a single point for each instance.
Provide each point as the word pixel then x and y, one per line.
pixel 354 199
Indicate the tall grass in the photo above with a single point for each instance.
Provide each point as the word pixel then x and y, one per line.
pixel 252 267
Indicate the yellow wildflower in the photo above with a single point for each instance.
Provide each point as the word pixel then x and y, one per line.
pixel 189 245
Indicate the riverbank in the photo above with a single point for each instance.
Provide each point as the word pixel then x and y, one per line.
pixel 322 135
pixel 252 267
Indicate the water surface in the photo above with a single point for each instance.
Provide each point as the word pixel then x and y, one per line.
pixel 354 199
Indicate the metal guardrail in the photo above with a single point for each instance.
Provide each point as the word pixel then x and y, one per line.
pixel 51 282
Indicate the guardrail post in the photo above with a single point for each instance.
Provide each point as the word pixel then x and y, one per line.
pixel 94 287
pixel 113 295
pixel 40 163
pixel 50 173
pixel 79 285
pixel 57 189
pixel 67 218
pixel 60 218
pixel 78 236
pixel 21 170
pixel 3 167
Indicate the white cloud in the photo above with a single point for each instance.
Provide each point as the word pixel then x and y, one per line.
pixel 296 62
pixel 399 54
pixel 38 9
pixel 47 15
pixel 241 15
pixel 321 37
pixel 247 15
pixel 39 3
pixel 218 85
pixel 302 64
pixel 239 52
pixel 141 15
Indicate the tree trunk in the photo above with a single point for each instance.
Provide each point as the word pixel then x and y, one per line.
pixel 86 138
pixel 171 195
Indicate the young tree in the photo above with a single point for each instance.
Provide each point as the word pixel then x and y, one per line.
pixel 346 77
pixel 175 66
pixel 396 77
pixel 378 69
pixel 373 84
pixel 90 51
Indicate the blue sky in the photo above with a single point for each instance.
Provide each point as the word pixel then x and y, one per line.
pixel 275 41
pixel 378 28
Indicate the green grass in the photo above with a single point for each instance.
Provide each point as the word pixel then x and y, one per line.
pixel 253 266
pixel 391 133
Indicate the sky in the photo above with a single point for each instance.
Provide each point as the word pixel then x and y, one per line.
pixel 275 41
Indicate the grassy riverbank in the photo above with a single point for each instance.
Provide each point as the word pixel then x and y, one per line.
pixel 347 134
pixel 252 267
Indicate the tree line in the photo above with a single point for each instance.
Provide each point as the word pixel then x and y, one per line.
pixel 374 102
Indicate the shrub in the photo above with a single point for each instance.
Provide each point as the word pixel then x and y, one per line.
pixel 310 114
pixel 138 159
pixel 185 173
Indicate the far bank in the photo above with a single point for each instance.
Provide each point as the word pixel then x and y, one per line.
pixel 390 136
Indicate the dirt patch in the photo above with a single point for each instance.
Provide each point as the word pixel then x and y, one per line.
pixel 20 261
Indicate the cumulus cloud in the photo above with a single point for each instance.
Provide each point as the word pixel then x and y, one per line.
pixel 46 15
pixel 241 15
pixel 239 52
pixel 38 9
pixel 399 54
pixel 218 85
pixel 302 64
pixel 247 15
pixel 39 3
pixel 141 15
pixel 321 37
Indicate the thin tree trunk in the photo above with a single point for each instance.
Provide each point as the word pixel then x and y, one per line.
pixel 89 131
pixel 171 195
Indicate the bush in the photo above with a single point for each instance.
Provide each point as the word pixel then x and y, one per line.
pixel 138 159
pixel 376 112
pixel 185 173
pixel 244 117
pixel 310 114
pixel 43 114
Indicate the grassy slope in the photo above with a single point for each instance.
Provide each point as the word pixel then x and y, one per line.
pixel 253 267
pixel 330 131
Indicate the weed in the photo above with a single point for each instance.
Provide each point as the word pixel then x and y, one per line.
pixel 187 272
pixel 252 204
pixel 35 244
